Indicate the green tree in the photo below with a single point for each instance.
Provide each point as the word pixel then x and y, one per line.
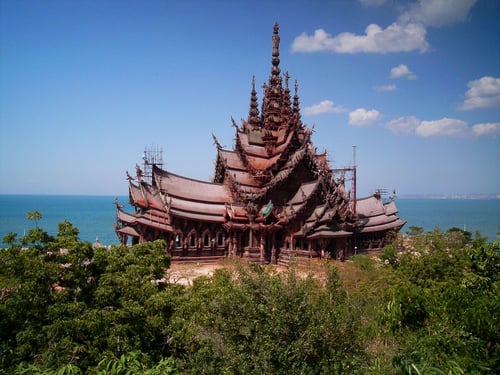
pixel 443 306
pixel 9 238
pixel 35 236
pixel 415 231
pixel 66 230
pixel 26 285
pixel 258 321
pixel 35 216
pixel 74 305
pixel 67 308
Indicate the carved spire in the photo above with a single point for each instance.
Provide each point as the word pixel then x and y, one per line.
pixel 286 108
pixel 275 78
pixel 273 94
pixel 253 114
pixel 296 105
pixel 276 51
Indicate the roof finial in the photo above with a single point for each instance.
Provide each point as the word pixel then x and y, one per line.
pixel 253 114
pixel 286 107
pixel 296 104
pixel 276 50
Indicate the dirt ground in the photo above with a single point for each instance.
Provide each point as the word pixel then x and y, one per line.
pixel 185 273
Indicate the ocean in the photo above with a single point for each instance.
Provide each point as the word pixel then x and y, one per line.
pixel 94 216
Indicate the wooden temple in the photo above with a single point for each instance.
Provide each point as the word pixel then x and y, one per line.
pixel 273 197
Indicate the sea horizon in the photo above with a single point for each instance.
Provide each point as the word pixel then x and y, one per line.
pixel 472 196
pixel 94 215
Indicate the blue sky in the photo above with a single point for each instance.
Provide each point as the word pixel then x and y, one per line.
pixel 85 86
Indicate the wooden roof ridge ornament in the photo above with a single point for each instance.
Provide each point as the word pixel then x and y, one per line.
pixel 117 203
pixel 233 122
pixel 240 151
pixel 167 201
pixel 216 142
pixel 139 172
pixel 269 140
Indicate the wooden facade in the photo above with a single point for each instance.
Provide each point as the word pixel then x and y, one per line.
pixel 273 197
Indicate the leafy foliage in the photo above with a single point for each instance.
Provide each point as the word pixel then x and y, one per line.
pixel 444 307
pixel 259 321
pixel 428 305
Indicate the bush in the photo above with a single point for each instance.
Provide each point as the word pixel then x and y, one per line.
pixel 67 308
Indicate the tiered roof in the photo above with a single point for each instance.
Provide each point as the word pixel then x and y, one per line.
pixel 272 178
pixel 375 216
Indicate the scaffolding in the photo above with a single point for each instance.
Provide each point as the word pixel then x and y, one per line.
pixel 153 155
pixel 352 170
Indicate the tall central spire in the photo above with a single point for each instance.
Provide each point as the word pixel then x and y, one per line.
pixel 276 51
pixel 273 92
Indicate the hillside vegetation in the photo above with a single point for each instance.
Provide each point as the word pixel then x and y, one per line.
pixel 428 304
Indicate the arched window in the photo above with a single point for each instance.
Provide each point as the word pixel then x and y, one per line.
pixel 206 239
pixel 220 239
pixel 192 239
pixel 178 240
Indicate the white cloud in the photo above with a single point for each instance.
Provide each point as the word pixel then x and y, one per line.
pixel 438 13
pixel 406 34
pixel 403 125
pixel 486 129
pixel 386 88
pixel 482 93
pixel 443 127
pixel 446 127
pixel 363 117
pixel 395 38
pixel 402 71
pixel 326 106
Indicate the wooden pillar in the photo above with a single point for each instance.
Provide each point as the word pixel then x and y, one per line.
pixel 273 249
pixel 237 241
pixel 230 247
pixel 246 249
pixel 262 247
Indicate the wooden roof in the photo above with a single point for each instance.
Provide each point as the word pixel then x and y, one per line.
pixel 376 216
pixel 232 160
pixel 191 189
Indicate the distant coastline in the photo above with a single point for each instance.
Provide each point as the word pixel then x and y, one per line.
pixel 95 215
pixel 472 196
pixel 451 196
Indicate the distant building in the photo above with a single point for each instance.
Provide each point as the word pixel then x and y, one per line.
pixel 273 197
